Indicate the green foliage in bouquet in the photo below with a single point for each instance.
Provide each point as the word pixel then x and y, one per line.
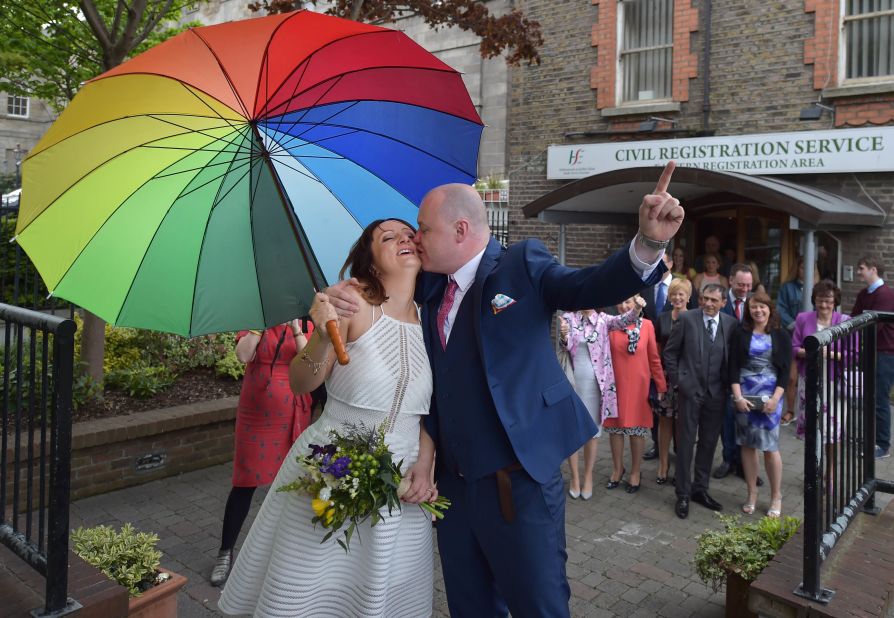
pixel 739 548
pixel 352 479
pixel 128 557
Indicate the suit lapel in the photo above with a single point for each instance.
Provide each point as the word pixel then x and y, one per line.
pixel 488 262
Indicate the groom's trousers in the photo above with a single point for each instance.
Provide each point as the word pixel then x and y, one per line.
pixel 490 564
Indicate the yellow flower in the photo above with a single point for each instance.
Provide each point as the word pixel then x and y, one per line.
pixel 319 506
pixel 330 515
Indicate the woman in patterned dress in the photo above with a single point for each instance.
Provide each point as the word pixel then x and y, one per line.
pixel 584 335
pixel 635 359
pixel 759 361
pixel 283 569
pixel 269 418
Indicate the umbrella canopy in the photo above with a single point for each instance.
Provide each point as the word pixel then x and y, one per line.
pixel 212 182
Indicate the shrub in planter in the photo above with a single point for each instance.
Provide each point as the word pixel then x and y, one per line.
pixel 740 549
pixel 127 557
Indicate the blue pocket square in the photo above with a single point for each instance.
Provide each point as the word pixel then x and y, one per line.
pixel 501 302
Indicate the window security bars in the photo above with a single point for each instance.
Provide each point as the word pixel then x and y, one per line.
pixel 868 40
pixel 646 49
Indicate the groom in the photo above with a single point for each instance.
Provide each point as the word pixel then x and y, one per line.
pixel 503 415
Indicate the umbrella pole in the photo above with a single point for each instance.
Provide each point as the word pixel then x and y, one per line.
pixel 331 326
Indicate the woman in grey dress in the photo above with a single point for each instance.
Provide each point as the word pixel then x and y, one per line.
pixel 760 358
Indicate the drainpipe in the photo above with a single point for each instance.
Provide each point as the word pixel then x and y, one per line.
pixel 809 266
pixel 706 52
pixel 562 262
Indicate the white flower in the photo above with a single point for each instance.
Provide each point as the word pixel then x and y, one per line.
pixel 325 494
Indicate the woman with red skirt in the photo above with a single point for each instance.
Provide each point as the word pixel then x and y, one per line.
pixel 270 417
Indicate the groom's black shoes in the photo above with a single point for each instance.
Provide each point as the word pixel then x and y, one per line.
pixel 682 507
pixel 702 497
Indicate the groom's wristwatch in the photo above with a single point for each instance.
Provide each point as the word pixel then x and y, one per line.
pixel 651 243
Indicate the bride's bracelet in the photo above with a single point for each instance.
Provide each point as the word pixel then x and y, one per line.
pixel 315 365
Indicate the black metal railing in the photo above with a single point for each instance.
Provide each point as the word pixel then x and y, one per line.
pixel 839 452
pixel 35 445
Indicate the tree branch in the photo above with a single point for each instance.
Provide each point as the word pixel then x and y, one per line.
pixel 97 25
pixel 152 22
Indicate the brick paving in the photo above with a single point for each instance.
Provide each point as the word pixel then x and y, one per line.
pixel 628 554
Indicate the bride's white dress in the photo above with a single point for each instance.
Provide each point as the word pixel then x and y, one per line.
pixel 282 568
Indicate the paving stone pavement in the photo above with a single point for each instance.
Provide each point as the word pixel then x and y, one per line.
pixel 628 554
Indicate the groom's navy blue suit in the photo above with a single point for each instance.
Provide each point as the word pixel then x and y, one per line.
pixel 502 406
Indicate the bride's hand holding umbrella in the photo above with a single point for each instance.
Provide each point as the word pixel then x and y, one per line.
pixel 322 312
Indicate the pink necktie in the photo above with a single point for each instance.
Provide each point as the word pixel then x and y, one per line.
pixel 739 309
pixel 446 305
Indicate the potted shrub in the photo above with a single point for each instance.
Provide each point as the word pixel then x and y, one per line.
pixel 131 559
pixel 737 553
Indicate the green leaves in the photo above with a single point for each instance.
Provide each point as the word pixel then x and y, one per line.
pixel 128 557
pixel 744 549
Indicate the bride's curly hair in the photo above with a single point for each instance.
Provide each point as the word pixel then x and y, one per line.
pixel 360 263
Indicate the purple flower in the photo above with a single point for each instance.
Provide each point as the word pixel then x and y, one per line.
pixel 317 450
pixel 337 468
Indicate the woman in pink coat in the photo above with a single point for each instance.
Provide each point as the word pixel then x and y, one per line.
pixel 584 335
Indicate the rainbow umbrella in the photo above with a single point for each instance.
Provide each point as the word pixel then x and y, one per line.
pixel 211 183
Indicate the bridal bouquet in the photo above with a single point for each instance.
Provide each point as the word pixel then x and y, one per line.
pixel 351 479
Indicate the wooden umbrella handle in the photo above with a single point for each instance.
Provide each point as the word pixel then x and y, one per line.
pixel 340 353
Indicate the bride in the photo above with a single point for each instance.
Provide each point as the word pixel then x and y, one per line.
pixel 283 569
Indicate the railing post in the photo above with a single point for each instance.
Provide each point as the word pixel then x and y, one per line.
pixel 60 469
pixel 810 586
pixel 870 365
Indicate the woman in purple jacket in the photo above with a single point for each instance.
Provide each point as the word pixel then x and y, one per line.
pixel 825 296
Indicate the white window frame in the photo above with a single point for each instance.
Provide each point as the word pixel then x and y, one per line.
pixel 842 46
pixel 11 101
pixel 621 52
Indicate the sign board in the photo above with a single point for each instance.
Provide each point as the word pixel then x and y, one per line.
pixel 800 152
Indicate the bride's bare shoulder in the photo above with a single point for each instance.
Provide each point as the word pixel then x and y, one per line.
pixel 361 321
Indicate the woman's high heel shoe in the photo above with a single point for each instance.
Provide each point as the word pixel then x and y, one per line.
pixel 775 511
pixel 614 484
pixel 574 494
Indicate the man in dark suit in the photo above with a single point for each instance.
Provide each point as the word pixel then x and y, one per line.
pixel 741 280
pixel 657 302
pixel 695 358
pixel 503 414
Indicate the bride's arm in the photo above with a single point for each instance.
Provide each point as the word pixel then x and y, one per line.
pixel 421 473
pixel 312 365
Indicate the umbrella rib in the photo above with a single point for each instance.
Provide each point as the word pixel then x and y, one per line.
pixel 265 58
pixel 116 156
pixel 149 245
pixel 223 70
pixel 193 91
pixel 204 167
pixel 319 98
pixel 129 117
pixel 307 60
pixel 324 121
pixel 361 70
pixel 253 192
pixel 388 137
pixel 307 175
pixel 217 199
pixel 112 214
pixel 332 193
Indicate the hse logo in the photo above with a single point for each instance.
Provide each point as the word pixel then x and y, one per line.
pixel 576 157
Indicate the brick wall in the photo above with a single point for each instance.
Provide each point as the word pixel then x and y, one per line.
pixel 112 453
pixel 764 70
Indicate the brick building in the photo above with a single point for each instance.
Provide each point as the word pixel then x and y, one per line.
pixel 787 108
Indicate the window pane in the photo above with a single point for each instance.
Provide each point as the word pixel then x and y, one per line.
pixel 869 41
pixel 16 106
pixel 645 70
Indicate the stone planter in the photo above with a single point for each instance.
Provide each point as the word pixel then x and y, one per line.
pixel 159 601
pixel 737 597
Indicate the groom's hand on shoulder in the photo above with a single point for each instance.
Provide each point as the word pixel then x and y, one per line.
pixel 345 297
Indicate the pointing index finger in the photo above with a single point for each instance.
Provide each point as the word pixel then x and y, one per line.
pixel 665 179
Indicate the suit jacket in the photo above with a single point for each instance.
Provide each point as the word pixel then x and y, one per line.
pixel 544 420
pixel 650 311
pixel 730 307
pixel 684 353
